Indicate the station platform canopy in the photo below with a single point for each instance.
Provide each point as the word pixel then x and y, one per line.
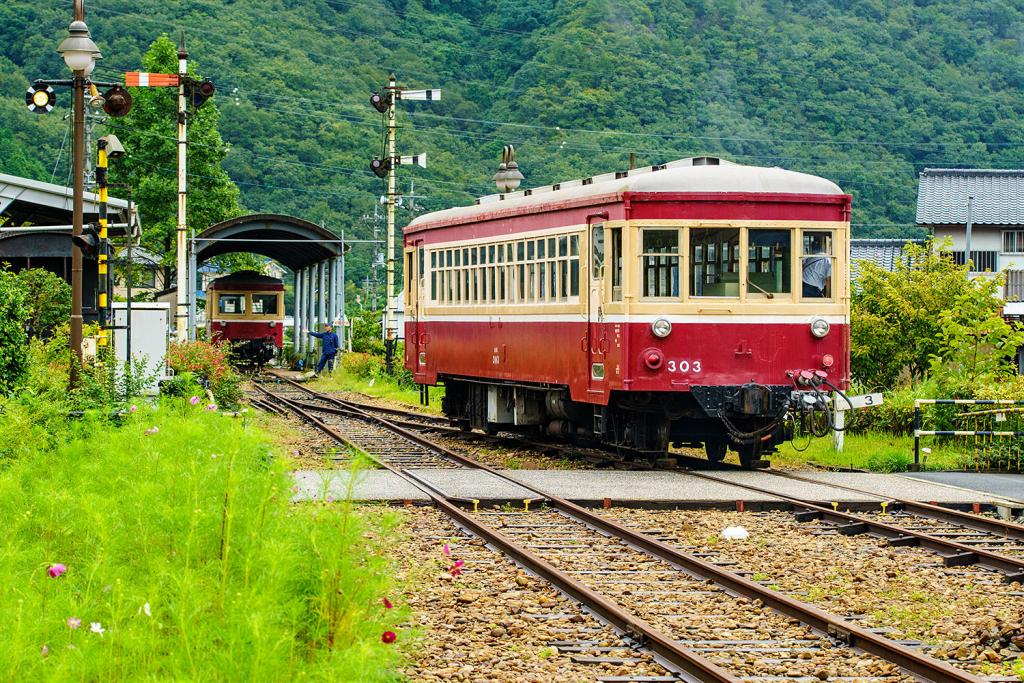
pixel 293 242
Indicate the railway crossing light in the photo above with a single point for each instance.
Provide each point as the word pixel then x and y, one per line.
pixel 117 101
pixel 198 93
pixel 40 98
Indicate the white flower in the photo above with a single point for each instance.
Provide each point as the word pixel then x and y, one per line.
pixel 146 610
pixel 97 627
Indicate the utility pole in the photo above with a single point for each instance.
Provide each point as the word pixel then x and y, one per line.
pixel 184 285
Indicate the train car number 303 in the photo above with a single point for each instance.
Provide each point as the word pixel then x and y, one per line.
pixel 683 366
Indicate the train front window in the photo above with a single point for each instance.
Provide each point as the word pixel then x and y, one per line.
pixel 231 304
pixel 264 304
pixel 817 264
pixel 714 262
pixel 659 262
pixel 768 262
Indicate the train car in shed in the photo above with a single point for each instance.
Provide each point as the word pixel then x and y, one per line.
pixel 247 309
pixel 697 303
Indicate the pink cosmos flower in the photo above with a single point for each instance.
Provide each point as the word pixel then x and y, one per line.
pixel 387 603
pixel 388 637
pixel 74 623
pixel 456 568
pixel 211 407
pixel 194 400
pixel 446 550
pixel 152 430
pixel 56 570
pixel 133 408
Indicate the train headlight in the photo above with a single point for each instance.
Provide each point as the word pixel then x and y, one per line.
pixel 819 327
pixel 661 328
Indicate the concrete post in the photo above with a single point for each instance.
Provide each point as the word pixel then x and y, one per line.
pixel 311 279
pixel 296 307
pixel 332 291
pixel 321 298
pixel 193 289
pixel 341 298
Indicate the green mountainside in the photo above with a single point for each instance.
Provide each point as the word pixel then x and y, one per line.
pixel 864 92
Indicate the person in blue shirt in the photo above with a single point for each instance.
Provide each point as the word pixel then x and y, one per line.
pixel 328 348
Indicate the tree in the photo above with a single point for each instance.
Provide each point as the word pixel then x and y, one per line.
pixel 149 134
pixel 896 317
pixel 48 301
pixel 13 340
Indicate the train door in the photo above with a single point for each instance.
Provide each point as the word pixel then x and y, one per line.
pixel 416 337
pixel 595 300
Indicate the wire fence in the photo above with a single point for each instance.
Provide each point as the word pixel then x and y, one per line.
pixel 987 432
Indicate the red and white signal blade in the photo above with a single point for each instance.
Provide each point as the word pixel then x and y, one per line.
pixel 143 79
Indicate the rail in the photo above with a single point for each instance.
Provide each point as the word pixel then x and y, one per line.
pixel 851 634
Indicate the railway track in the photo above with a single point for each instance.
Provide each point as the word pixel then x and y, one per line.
pixel 957 537
pixel 701 620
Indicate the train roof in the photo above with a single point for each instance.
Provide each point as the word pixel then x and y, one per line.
pixel 245 278
pixel 695 174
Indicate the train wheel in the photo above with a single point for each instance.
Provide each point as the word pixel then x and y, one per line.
pixel 716 449
pixel 748 452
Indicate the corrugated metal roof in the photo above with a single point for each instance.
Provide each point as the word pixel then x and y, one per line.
pixel 998 196
pixel 884 253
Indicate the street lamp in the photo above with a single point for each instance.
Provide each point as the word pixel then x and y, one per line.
pixel 80 54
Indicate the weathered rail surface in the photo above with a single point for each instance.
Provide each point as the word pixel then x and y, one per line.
pixel 835 630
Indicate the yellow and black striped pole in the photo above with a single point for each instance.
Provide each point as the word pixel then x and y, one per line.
pixel 101 247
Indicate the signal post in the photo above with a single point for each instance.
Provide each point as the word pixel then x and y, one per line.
pixel 386 168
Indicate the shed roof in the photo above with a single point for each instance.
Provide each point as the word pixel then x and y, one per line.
pixel 998 196
pixel 27 201
pixel 294 242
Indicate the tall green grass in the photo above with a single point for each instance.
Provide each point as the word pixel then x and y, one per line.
pixel 184 546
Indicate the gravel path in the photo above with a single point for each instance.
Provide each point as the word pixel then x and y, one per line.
pixel 496 623
pixel 965 615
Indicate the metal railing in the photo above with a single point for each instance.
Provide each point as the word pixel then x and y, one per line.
pixel 991 437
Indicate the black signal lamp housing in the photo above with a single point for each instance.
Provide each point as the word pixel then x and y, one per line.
pixel 380 102
pixel 89 241
pixel 380 167
pixel 198 93
pixel 117 101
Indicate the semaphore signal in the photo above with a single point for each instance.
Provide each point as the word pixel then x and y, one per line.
pixel 385 167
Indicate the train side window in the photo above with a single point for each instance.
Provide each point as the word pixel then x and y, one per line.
pixel 714 262
pixel 231 304
pixel 616 264
pixel 817 264
pixel 597 250
pixel 768 262
pixel 659 262
pixel 264 304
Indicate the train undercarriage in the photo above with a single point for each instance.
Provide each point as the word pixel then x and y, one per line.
pixel 749 419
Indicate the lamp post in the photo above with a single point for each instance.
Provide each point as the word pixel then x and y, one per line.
pixel 80 54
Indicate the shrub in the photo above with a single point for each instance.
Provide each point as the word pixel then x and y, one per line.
pixel 49 301
pixel 13 339
pixel 209 362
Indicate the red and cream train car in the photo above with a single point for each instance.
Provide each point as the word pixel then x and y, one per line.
pixel 698 303
pixel 247 309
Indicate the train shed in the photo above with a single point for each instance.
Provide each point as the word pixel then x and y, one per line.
pixel 312 252
pixel 35 230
